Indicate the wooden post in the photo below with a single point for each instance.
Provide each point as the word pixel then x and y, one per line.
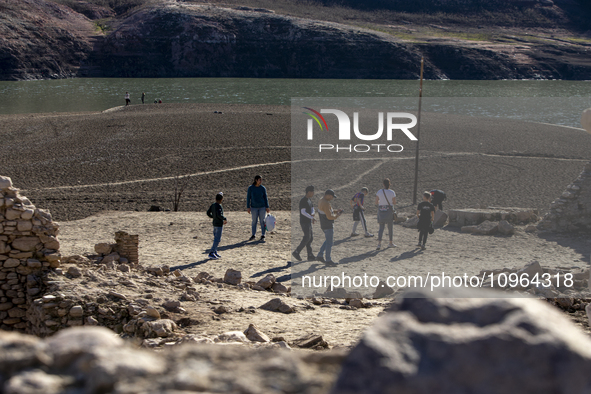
pixel 414 194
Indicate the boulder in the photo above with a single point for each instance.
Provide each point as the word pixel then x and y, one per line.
pixel 440 219
pixel 5 182
pixel 531 269
pixel 232 336
pixel 26 244
pixel 76 311
pixel 279 288
pixel 382 290
pixel 111 257
pixel 233 277
pixel 162 328
pixel 171 305
pixel 506 228
pixel 486 228
pixel 103 248
pixel 254 334
pixel 152 312
pixel 468 229
pixel 74 271
pixel 357 303
pixel 267 281
pixel 12 214
pixel 277 305
pixel 411 222
pixel 310 341
pixel 468 341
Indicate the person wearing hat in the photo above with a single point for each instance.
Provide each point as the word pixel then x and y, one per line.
pixel 306 221
pixel 327 217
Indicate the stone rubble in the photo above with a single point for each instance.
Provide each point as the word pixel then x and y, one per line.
pixel 95 360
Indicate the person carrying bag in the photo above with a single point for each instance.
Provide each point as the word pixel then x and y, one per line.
pixel 385 200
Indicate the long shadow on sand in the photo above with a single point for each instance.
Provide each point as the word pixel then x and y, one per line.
pixel 228 247
pixel 187 266
pixel 406 255
pixel 271 270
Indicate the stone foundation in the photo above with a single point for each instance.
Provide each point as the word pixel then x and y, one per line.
pixel 470 217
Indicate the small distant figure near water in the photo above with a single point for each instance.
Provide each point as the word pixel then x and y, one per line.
pixel 127 100
pixel 143 97
pixel 159 101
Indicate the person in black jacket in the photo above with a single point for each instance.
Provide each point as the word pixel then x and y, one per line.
pixel 306 221
pixel 437 198
pixel 426 214
pixel 216 212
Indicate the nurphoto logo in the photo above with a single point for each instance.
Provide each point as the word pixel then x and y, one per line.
pixel 344 130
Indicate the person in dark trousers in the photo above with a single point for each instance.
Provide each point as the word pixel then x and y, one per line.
pixel 327 217
pixel 216 212
pixel 127 99
pixel 306 221
pixel 385 200
pixel 257 204
pixel 143 97
pixel 359 213
pixel 437 197
pixel 426 214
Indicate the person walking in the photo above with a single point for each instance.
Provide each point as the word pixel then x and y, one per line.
pixel 327 217
pixel 257 204
pixel 127 100
pixel 358 212
pixel 143 97
pixel 426 215
pixel 385 200
pixel 216 212
pixel 306 221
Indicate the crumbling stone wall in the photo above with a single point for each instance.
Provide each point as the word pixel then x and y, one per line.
pixel 571 212
pixel 28 248
pixel 127 246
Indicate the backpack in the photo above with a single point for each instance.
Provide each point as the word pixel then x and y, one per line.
pixel 270 223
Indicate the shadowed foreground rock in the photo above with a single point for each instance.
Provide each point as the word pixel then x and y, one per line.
pixel 469 345
pixel 95 360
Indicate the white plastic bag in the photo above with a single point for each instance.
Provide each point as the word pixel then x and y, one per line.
pixel 270 223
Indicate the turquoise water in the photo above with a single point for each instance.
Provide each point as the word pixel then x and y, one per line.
pixel 97 94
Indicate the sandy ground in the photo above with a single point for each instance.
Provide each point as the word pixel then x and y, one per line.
pixel 181 240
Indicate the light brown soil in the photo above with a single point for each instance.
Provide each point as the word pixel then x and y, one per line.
pixel 182 239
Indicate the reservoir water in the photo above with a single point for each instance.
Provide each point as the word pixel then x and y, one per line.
pixel 98 94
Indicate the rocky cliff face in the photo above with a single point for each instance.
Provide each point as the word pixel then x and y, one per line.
pixel 176 39
pixel 183 40
pixel 41 40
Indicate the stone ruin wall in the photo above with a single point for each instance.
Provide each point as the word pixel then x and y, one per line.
pixel 30 269
pixel 571 212
pixel 28 249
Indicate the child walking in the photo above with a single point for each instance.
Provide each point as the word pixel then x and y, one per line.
pixel 358 212
pixel 426 214
pixel 216 212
